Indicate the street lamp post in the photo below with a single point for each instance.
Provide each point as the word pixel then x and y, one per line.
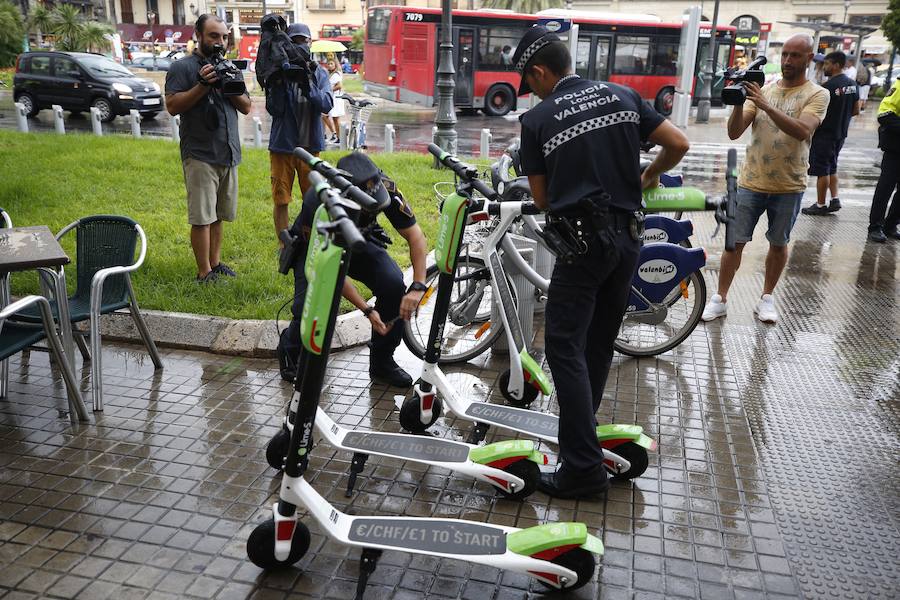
pixel 151 18
pixel 846 10
pixel 709 76
pixel 445 118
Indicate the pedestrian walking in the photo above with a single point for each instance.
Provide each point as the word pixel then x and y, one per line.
pixel 581 151
pixel 829 138
pixel 784 115
pixel 210 144
pixel 881 226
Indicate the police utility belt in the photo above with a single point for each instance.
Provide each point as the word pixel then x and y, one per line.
pixel 571 235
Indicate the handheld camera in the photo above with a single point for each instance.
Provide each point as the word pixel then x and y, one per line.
pixel 229 75
pixel 736 94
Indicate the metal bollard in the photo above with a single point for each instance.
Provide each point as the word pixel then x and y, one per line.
pixel 525 293
pixel 95 121
pixel 21 117
pixel 176 128
pixel 257 132
pixel 434 134
pixel 389 134
pixel 345 134
pixel 135 118
pixel 58 122
pixel 486 138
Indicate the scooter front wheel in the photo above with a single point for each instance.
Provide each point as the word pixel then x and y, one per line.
pixel 579 560
pixel 634 454
pixel 529 395
pixel 276 449
pixel 261 545
pixel 411 415
pixel 528 472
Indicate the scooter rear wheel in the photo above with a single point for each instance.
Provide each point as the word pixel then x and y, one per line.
pixel 411 415
pixel 579 560
pixel 276 449
pixel 261 545
pixel 634 454
pixel 530 393
pixel 528 472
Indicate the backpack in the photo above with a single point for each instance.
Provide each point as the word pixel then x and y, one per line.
pixel 863 75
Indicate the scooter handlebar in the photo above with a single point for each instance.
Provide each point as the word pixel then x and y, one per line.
pixel 337 178
pixel 331 199
pixel 464 171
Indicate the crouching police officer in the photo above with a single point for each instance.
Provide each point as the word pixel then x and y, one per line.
pixel 373 267
pixel 580 149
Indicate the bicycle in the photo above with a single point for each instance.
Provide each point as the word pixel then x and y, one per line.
pixel 664 308
pixel 360 111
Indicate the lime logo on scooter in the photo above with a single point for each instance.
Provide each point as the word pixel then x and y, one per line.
pixel 665 199
pixel 450 228
pixel 657 270
pixel 323 261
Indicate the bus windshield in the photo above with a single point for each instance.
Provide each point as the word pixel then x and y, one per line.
pixel 379 20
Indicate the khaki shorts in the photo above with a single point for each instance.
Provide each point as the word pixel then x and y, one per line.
pixel 283 168
pixel 212 192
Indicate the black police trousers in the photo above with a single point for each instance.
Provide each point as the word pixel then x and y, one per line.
pixel 378 271
pixel 888 183
pixel 585 306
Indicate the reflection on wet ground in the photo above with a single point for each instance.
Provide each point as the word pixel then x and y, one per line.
pixel 776 473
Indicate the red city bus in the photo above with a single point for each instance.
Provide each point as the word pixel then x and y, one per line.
pixel 401 54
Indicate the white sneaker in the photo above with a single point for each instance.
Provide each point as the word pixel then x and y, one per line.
pixel 715 308
pixel 765 309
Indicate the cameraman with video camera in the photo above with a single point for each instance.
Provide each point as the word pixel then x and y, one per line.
pixel 208 91
pixel 298 93
pixel 784 116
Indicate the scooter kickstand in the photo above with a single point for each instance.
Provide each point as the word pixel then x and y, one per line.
pixel 356 466
pixel 478 433
pixel 367 564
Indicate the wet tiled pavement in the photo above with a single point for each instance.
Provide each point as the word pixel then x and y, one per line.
pixel 776 476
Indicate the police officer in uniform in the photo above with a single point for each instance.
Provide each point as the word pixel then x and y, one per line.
pixel 580 149
pixel 373 267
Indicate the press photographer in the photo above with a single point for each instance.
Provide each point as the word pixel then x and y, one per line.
pixel 297 94
pixel 208 91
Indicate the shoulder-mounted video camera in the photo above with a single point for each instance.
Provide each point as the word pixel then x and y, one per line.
pixel 278 56
pixel 229 75
pixel 735 93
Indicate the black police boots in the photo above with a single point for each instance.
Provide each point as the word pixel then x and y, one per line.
pixel 383 369
pixel 566 483
pixel 286 366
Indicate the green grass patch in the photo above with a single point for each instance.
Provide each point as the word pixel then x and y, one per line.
pixel 6 76
pixel 53 180
pixel 352 84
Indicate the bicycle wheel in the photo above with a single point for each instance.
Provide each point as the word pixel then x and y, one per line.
pixel 352 137
pixel 649 333
pixel 468 330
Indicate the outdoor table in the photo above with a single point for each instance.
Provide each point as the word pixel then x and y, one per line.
pixel 36 249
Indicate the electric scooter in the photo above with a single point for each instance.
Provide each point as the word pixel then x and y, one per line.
pixel 510 466
pixel 558 555
pixel 624 446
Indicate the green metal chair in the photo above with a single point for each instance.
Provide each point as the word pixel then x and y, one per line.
pixel 16 337
pixel 104 258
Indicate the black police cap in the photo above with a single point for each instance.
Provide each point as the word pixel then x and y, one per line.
pixel 362 169
pixel 534 39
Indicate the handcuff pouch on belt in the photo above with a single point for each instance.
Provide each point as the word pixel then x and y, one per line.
pixel 568 237
pixel 377 235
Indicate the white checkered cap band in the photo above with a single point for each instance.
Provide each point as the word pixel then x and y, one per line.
pixel 625 116
pixel 530 51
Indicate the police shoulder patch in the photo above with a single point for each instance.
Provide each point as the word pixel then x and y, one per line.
pixel 389 184
pixel 402 204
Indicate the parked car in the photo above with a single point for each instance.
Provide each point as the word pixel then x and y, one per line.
pixel 78 81
pixel 152 64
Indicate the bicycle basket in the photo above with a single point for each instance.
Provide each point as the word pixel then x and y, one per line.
pixel 359 114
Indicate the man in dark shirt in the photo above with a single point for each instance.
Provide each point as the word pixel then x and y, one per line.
pixel 581 151
pixel 829 137
pixel 210 145
pixel 296 108
pixel 373 267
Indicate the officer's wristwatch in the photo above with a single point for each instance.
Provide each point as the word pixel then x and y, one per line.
pixel 417 286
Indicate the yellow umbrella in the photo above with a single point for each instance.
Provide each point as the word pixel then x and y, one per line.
pixel 327 46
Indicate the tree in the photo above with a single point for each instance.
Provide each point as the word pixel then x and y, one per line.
pixel 40 21
pixel 94 36
pixel 12 33
pixel 524 6
pixel 68 26
pixel 890 23
pixel 359 38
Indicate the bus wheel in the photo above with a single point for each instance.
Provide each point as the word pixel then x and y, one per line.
pixel 499 100
pixel 664 100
